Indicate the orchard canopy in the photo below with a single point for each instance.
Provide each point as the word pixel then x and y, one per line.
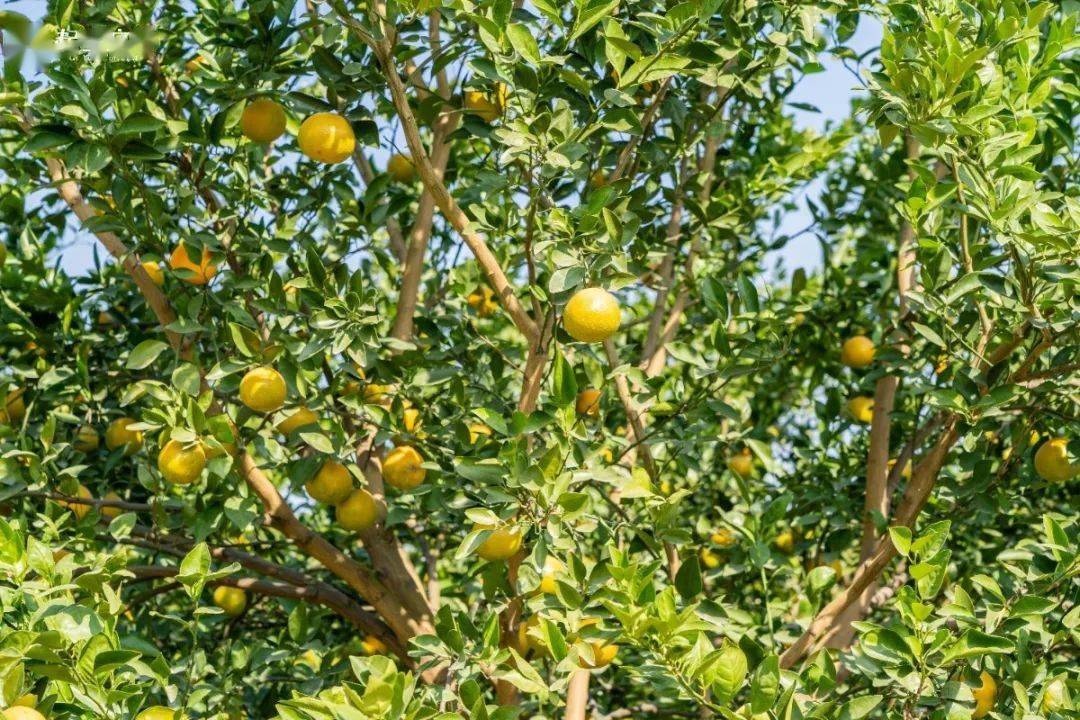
pixel 434 360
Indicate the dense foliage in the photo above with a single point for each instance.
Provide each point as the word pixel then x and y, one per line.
pixel 336 430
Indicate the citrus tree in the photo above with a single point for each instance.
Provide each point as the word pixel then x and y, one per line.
pixel 434 361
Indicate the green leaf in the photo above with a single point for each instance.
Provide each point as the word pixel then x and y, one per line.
pixel 194 569
pixel 975 643
pixel 524 43
pixel 860 707
pixel 688 579
pixel 765 685
pixel 11 545
pixel 144 354
pixel 593 12
pixel 901 539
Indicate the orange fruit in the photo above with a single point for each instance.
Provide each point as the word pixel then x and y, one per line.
pixel 326 137
pixel 857 351
pixel 501 544
pixel 742 463
pixel 263 121
pixel 157 275
pixel 358 511
pixel 591 315
pixel 262 389
pixel 861 408
pixel 401 168
pixel 301 417
pixel 403 468
pixel 588 402
pixel 331 485
pixel 1052 461
pixel 191 273
pixel 230 599
pixel 117 435
pixel 181 464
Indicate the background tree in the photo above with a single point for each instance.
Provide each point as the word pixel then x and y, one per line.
pixel 522 421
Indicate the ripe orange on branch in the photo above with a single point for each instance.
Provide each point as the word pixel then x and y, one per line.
pixel 503 542
pixel 358 511
pixel 262 389
pixel 403 468
pixel 591 315
pixel 326 137
pixel 190 272
pixel 181 464
pixel 118 435
pixel 331 485
pixel 857 351
pixel 263 121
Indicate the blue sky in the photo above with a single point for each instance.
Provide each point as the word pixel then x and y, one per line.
pixel 830 91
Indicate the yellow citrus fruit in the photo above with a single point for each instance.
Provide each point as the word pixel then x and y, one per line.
pixel 20 712
pixel 602 655
pixel 230 599
pixel 117 435
pixel 86 439
pixel 861 408
pixel 79 509
pixel 598 179
pixel 1052 460
pixel 857 351
pixel 358 511
pixel 195 64
pixel 501 544
pixel 301 417
pixel 527 642
pixel 709 559
pixel 263 389
pixel 154 271
pixel 482 301
pixel 262 121
pixel 403 469
pixel 194 274
pixel 984 696
pixel 14 407
pixel 552 567
pixel 1055 696
pixel 742 463
pixel 331 484
pixel 905 473
pixel 326 137
pixel 489 108
pixel 478 430
pixel 372 645
pixel 591 315
pixel 377 394
pixel 110 512
pixel 401 168
pixel 723 538
pixel 180 463
pixel 411 419
pixel 588 402
pixel 785 542
pixel 158 712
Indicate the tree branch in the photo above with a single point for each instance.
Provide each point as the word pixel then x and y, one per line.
pixel 434 184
